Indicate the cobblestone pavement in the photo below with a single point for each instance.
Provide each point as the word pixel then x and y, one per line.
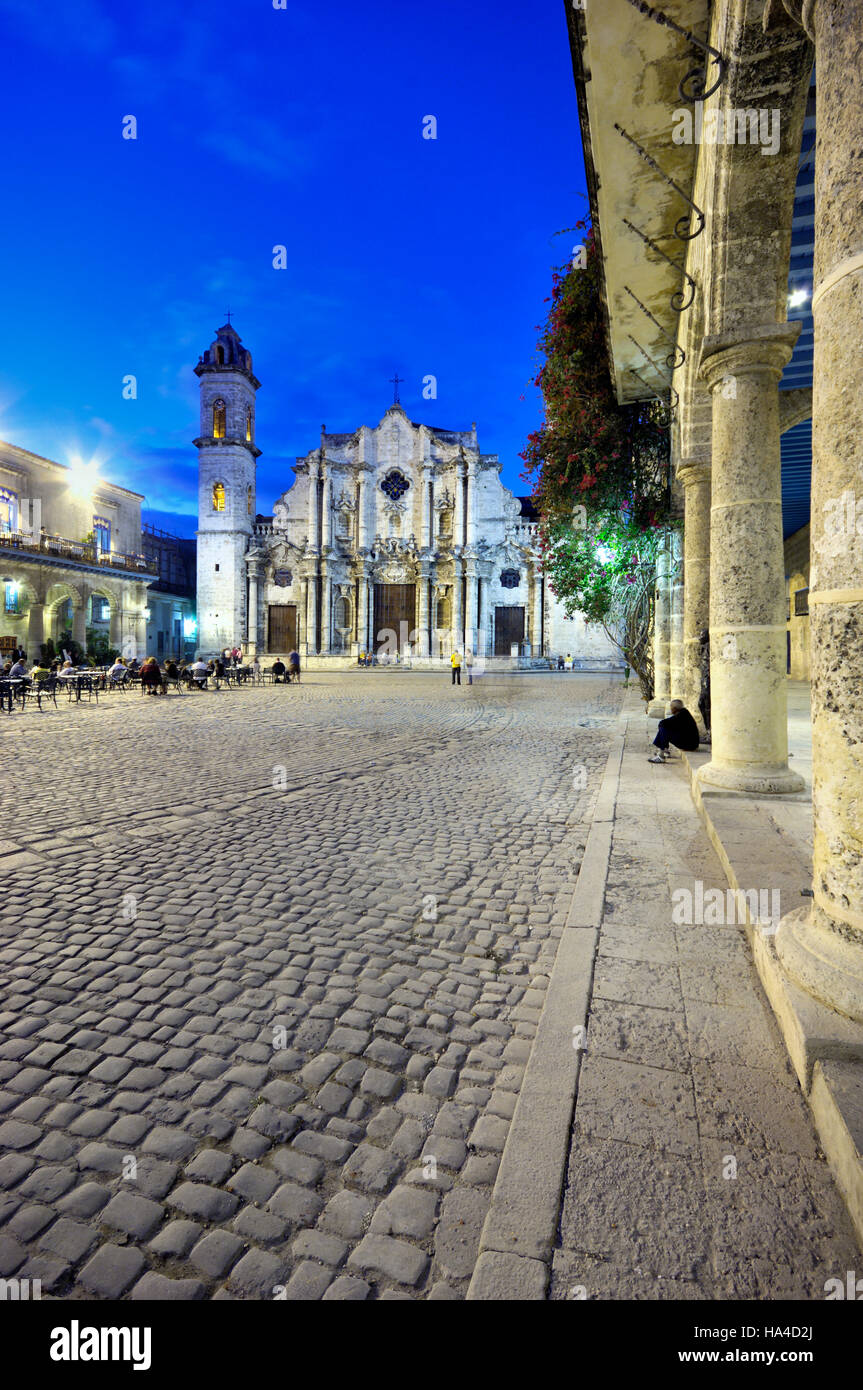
pixel 271 963
pixel 695 1170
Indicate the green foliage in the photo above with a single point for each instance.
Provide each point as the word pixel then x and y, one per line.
pixel 99 647
pixel 607 572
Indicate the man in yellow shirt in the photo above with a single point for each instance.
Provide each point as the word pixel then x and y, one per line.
pixel 455 662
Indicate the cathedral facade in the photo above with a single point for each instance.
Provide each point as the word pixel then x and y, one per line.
pixel 396 540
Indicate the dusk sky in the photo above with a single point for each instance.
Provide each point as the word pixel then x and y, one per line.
pixel 258 127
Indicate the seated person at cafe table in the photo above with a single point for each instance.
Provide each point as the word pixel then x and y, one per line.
pixel 200 671
pixel 151 677
pixel 118 672
pixel 279 671
pixel 39 672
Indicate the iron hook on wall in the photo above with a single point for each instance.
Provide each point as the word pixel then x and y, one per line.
pixel 693 87
pixel 683 224
pixel 678 302
pixel 672 359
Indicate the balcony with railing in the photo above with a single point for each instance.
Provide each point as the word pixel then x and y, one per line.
pixel 52 549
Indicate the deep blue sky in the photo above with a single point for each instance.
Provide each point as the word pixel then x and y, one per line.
pixel 256 127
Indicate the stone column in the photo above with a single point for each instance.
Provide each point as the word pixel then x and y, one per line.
pixel 747 568
pixel 422 636
pixel 363 628
pixel 326 602
pixel 457 636
pixel 536 638
pixel 313 506
pixel 695 477
pixel 471 502
pixel 326 510
pixel 471 614
pixel 115 626
pixel 302 623
pixel 425 536
pixel 35 629
pixel 662 632
pixel 822 947
pixel 362 526
pixel 312 616
pixel 79 623
pixel 458 510
pixel 252 623
pixel 675 635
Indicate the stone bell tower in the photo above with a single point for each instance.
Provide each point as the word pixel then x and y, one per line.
pixel 226 488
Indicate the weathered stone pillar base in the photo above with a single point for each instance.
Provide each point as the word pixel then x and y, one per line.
pixel 827 964
pixel 749 713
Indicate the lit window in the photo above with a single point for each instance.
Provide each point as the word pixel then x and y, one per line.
pixel 12 597
pixel 8 510
pixel 248 424
pixel 219 419
pixel 102 535
pixel 218 497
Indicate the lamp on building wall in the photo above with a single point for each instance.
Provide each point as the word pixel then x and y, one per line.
pixel 83 477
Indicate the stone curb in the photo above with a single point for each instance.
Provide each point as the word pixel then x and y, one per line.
pixel 520 1229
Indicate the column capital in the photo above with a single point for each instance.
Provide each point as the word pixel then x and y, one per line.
pixel 691 471
pixel 748 351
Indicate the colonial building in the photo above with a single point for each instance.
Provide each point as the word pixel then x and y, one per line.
pixel 70 548
pixel 397 539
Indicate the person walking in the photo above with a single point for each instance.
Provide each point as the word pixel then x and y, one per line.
pixel 455 663
pixel 294 666
pixel 468 661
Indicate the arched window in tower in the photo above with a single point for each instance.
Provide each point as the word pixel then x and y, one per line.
pixel 248 424
pixel 219 414
pixel 220 356
pixel 249 499
pixel 218 497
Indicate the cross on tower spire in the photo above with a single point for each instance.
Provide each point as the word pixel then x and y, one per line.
pixel 395 381
pixel 229 316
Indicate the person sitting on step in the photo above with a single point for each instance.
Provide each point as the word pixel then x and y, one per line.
pixel 679 728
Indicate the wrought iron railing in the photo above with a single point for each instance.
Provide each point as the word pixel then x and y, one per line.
pixel 79 552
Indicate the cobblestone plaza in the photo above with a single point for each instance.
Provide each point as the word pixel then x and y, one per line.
pixel 270 952
pixel 273 961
